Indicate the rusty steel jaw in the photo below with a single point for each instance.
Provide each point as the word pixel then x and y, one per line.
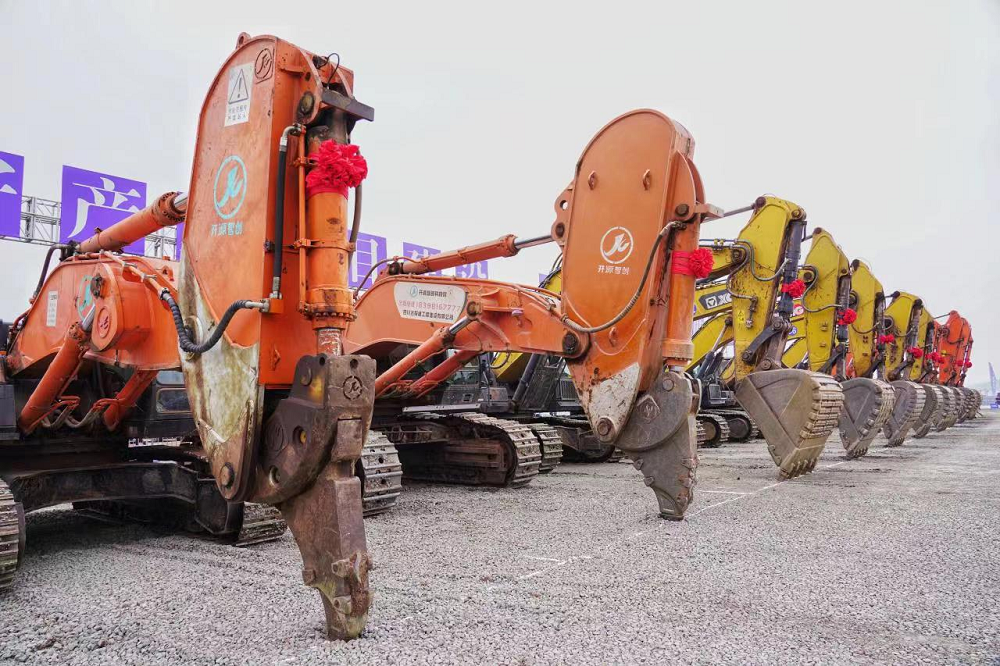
pixel 312 442
pixel 660 436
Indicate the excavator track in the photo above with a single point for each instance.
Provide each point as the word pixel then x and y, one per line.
pixel 479 450
pixel 702 433
pixel 742 428
pixel 261 523
pixel 551 445
pixel 716 429
pixel 258 524
pixel 381 474
pixel 11 536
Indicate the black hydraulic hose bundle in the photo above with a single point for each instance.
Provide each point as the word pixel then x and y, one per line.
pixel 279 216
pixel 183 337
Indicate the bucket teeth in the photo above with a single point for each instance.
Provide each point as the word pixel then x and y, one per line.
pixel 868 405
pixel 796 411
pixel 954 402
pixel 935 409
pixel 910 399
pixel 660 436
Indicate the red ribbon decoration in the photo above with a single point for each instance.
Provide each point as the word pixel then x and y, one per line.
pixel 848 316
pixel 697 263
pixel 886 339
pixel 916 352
pixel 338 167
pixel 795 288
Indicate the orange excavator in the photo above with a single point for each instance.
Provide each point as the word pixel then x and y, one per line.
pixel 954 348
pixel 278 361
pixel 628 228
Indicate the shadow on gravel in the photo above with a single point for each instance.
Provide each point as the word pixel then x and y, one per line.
pixel 56 530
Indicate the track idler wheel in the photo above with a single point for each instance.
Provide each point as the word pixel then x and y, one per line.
pixel 306 466
pixel 868 405
pixel 910 399
pixel 716 430
pixel 660 437
pixel 741 428
pixel 796 410
pixel 933 412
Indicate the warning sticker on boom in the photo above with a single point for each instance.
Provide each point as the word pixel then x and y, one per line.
pixel 52 308
pixel 238 94
pixel 429 302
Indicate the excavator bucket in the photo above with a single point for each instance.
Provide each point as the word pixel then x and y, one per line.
pixel 868 405
pixel 954 402
pixel 933 411
pixel 910 398
pixel 796 410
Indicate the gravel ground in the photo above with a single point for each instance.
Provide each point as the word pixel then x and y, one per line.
pixel 892 558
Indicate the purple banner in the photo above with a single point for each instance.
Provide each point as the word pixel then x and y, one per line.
pixel 92 201
pixel 11 185
pixel 480 269
pixel 180 239
pixel 414 251
pixel 368 251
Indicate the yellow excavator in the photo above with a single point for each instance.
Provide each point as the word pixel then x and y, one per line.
pixel 821 341
pixel 796 410
pixel 906 333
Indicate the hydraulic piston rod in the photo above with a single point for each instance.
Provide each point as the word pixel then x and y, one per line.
pixel 167 211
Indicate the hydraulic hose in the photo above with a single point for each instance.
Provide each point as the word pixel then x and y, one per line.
pixel 279 209
pixel 45 269
pixel 184 340
pixel 356 224
pixel 522 384
pixel 635 297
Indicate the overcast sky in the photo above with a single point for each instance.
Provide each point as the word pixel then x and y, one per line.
pixel 879 118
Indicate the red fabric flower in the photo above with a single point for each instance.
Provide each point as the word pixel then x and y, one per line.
pixel 887 339
pixel 697 264
pixel 848 316
pixel 936 357
pixel 795 288
pixel 916 352
pixel 338 167
pixel 968 364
